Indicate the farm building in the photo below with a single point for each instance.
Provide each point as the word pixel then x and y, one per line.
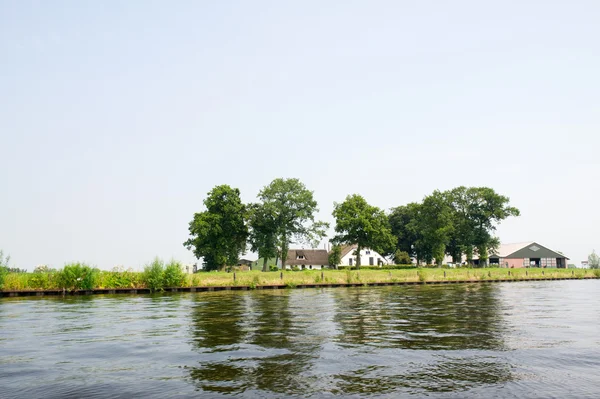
pixel 311 259
pixel 368 257
pixel 526 254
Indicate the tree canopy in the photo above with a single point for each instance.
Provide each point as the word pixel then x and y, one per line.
pixel 292 208
pixel 357 222
pixel 455 222
pixel 219 234
pixel 263 232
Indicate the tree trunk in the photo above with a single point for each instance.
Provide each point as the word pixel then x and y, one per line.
pixel 357 257
pixel 265 264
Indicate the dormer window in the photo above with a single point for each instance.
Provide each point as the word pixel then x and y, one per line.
pixel 300 257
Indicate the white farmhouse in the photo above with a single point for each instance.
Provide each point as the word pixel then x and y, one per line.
pixel 368 257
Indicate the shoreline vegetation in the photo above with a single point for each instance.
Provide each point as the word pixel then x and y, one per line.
pixel 159 277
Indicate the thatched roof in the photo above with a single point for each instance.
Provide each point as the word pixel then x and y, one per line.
pixel 307 257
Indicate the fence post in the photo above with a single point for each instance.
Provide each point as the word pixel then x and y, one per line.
pixel 234 276
pixel 444 274
pixel 526 273
pixel 281 275
pixel 322 278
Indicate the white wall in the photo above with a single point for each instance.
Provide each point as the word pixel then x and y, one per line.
pixel 365 254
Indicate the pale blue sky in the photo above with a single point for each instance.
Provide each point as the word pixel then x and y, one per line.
pixel 117 117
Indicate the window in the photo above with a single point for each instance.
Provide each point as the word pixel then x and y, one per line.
pixel 371 261
pixel 300 257
pixel 368 252
pixel 350 261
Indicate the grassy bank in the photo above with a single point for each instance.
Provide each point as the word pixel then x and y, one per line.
pixel 163 277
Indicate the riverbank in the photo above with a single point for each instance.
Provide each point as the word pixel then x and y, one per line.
pixel 23 284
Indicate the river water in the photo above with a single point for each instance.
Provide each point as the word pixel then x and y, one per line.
pixel 511 340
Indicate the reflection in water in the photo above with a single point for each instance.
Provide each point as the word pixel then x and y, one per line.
pixel 259 343
pixel 531 339
pixel 273 341
pixel 422 317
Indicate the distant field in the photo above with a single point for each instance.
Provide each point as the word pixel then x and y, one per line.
pixel 105 279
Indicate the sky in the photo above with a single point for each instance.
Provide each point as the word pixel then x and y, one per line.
pixel 117 117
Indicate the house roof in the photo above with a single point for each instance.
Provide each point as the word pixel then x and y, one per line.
pixel 348 248
pixel 311 257
pixel 505 250
pixel 525 250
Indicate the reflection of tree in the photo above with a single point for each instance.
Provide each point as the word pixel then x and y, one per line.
pixel 250 341
pixel 448 375
pixel 436 324
pixel 422 317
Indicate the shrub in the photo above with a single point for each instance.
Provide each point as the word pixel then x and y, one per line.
pixel 173 275
pixel 402 258
pixel 273 268
pixel 153 275
pixel 77 276
pixel 42 280
pixel 3 273
pixel 119 278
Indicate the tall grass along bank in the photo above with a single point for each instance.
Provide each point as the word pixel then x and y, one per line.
pixel 158 276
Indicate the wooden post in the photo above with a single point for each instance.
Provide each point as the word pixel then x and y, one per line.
pixel 281 275
pixel 444 274
pixel 234 276
pixel 526 273
pixel 322 279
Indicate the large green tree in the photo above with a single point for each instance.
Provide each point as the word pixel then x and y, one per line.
pixel 434 226
pixel 401 220
pixel 357 222
pixel 293 209
pixel 219 234
pixel 263 232
pixel 476 213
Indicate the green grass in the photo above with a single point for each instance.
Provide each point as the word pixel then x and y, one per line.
pixel 158 275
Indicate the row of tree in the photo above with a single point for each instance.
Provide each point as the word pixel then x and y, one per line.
pixel 456 222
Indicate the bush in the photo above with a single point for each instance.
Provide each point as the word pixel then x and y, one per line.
pixel 3 273
pixel 173 275
pixel 273 268
pixel 153 275
pixel 120 278
pixel 77 276
pixel 402 258
pixel 43 280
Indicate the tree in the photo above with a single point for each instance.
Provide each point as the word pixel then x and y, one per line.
pixel 594 261
pixel 400 219
pixel 218 235
pixel 434 224
pixel 335 256
pixel 263 232
pixel 293 209
pixel 357 222
pixel 402 258
pixel 476 211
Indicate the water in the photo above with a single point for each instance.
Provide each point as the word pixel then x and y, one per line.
pixel 513 340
